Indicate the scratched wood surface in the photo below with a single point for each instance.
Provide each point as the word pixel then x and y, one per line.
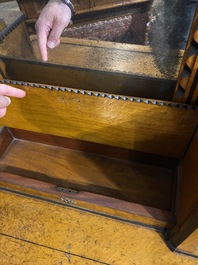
pixel 38 232
pixel 17 251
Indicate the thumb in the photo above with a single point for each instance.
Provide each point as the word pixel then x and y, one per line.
pixel 55 34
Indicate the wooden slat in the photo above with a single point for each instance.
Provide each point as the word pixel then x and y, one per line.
pixel 156 129
pixel 79 233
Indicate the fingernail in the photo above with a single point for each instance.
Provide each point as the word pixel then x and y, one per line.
pixel 51 44
pixel 8 100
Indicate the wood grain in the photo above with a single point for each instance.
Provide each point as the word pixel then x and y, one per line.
pixel 16 251
pixel 186 88
pixel 114 208
pixel 190 245
pixel 80 233
pixel 90 147
pixel 187 201
pixel 149 128
pixel 81 171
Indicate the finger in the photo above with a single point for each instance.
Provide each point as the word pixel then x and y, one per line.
pixel 4 101
pixel 42 35
pixel 55 34
pixel 11 91
pixel 2 112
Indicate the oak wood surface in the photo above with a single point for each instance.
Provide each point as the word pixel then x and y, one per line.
pixel 8 134
pixel 188 196
pixel 82 171
pixel 187 210
pixel 30 226
pixel 29 253
pixel 113 208
pixel 190 245
pixel 150 128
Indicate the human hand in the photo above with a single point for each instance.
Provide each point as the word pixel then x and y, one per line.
pixel 53 19
pixel 5 101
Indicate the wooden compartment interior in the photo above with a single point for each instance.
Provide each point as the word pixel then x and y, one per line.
pixel 94 168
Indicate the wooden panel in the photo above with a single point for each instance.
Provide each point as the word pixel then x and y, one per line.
pixel 190 245
pixel 14 38
pixel 88 147
pixel 188 197
pixel 188 181
pixel 94 237
pixel 95 173
pixel 187 203
pixel 95 203
pixel 151 128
